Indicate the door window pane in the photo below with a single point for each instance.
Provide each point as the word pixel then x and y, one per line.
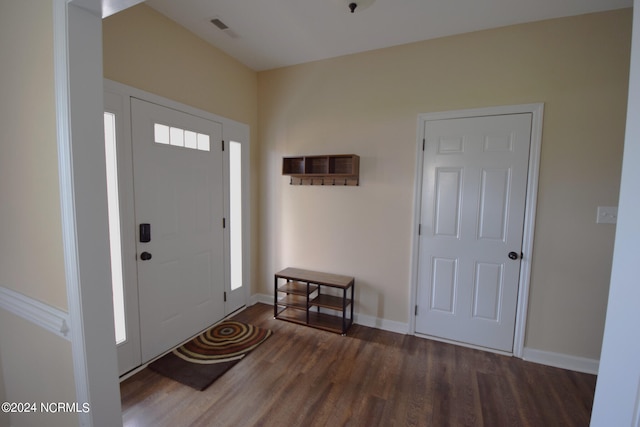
pixel 178 137
pixel 161 133
pixel 114 226
pixel 190 139
pixel 203 142
pixel 235 207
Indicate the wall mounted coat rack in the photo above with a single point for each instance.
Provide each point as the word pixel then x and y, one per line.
pixel 333 169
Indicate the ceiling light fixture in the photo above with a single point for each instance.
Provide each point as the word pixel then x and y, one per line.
pixel 357 4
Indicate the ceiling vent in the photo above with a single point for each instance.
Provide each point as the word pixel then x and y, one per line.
pixel 218 23
pixel 224 27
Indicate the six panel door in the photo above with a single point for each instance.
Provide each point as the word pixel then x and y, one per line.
pixel 472 216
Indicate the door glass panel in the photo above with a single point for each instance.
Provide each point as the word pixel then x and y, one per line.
pixel 161 133
pixel 114 226
pixel 176 136
pixel 203 142
pixel 235 207
pixel 190 139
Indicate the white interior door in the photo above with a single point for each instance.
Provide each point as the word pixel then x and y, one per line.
pixel 179 193
pixel 472 215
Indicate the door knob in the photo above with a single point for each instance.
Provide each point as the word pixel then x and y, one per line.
pixel 145 256
pixel 513 255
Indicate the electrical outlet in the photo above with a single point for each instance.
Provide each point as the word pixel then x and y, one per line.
pixel 607 215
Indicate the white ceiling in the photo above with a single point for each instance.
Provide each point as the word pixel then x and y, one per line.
pixel 266 34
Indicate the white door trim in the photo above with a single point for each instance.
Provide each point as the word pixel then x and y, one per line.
pixel 530 209
pixel 239 132
pixel 231 131
pixel 77 56
pixel 129 351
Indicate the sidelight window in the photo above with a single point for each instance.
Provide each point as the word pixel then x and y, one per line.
pixel 117 282
pixel 235 208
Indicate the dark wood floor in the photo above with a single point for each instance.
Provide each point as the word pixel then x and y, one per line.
pixel 306 377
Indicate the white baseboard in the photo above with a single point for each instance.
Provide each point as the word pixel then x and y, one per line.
pixel 559 360
pixel 263 298
pixel 360 319
pixel 384 324
pixel 39 313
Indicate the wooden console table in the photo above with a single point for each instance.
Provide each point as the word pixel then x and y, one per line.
pixel 303 290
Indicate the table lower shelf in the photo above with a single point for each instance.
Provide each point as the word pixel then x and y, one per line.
pixel 317 320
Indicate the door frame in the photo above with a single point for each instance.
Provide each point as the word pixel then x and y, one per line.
pixel 77 57
pixel 231 130
pixel 118 104
pixel 536 110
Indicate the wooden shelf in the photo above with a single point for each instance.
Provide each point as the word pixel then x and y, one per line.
pixel 344 165
pixel 334 169
pixel 328 279
pixel 328 301
pixel 303 290
pixel 298 288
pixel 293 165
pixel 294 301
pixel 295 316
pixel 316 165
pixel 323 321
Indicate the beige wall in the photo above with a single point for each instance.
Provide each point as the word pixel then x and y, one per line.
pixel 30 227
pixel 36 365
pixel 38 368
pixel 368 104
pixel 144 49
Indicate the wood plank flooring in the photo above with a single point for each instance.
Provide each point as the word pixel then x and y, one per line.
pixel 306 377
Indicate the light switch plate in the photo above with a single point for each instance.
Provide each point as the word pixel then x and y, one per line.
pixel 607 215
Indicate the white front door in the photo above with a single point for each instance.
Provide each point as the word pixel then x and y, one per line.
pixel 179 194
pixel 474 186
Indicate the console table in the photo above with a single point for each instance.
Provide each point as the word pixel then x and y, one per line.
pixel 331 295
